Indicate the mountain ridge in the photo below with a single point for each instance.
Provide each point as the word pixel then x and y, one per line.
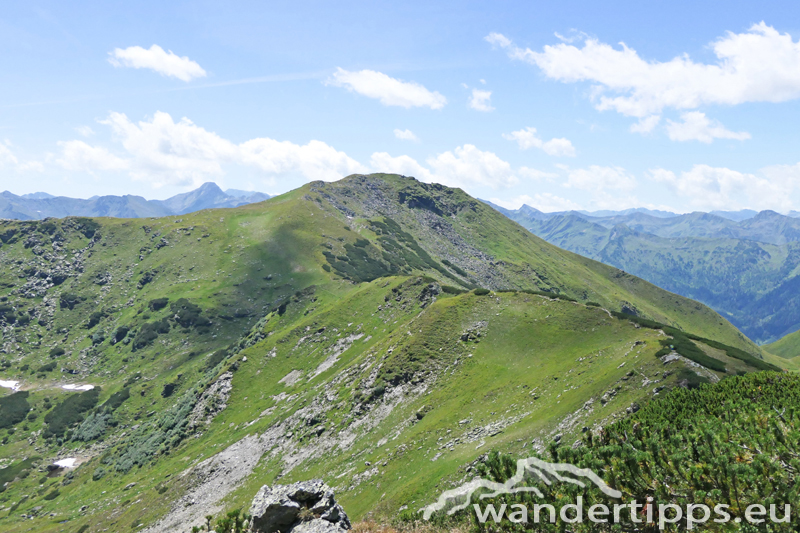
pixel 747 270
pixel 40 205
pixel 378 332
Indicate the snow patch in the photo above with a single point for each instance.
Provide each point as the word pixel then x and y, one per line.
pixel 77 387
pixel 13 385
pixel 69 462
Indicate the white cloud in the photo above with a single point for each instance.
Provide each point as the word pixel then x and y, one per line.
pixel 389 91
pixel 707 188
pixel 406 135
pixel 403 165
pixel 498 39
pixel 559 147
pixel 31 166
pixel 6 155
pixel 466 166
pixel 526 138
pixel 163 152
pixel 545 202
pixel 85 131
pixel 481 100
pixel 532 173
pixel 646 124
pixel 166 152
pixel 598 178
pixel 697 127
pixel 77 155
pixel 759 65
pixel 155 58
pixel 314 161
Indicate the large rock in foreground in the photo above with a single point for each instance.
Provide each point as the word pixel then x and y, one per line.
pixel 303 507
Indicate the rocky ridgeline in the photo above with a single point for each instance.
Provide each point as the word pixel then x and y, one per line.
pixel 304 507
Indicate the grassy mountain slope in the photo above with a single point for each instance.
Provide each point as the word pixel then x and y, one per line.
pixel 326 332
pixel 729 443
pixel 787 347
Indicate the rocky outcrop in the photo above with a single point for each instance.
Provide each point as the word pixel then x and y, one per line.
pixel 304 507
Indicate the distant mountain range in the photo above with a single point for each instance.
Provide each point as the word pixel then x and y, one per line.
pixel 39 205
pixel 743 264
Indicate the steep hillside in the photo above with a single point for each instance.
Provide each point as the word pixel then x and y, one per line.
pixel 729 444
pixel 787 347
pixel 377 332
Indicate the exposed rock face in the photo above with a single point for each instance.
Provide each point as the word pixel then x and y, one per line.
pixel 304 507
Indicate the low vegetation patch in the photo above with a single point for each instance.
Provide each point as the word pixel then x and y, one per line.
pixel 189 315
pixel 682 343
pixel 13 409
pixel 730 443
pixel 69 412
pixel 149 332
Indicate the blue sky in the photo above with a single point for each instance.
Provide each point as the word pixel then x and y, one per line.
pixel 515 102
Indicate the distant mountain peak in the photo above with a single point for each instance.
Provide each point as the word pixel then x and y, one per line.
pixel 208 186
pixel 36 206
pixel 37 196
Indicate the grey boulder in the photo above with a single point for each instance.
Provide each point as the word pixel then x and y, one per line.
pixel 303 507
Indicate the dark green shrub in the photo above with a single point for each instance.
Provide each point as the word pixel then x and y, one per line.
pixel 157 304
pixel 57 351
pixel 481 292
pixel 49 367
pixel 116 399
pixel 67 300
pixel 48 227
pixel 147 277
pixel 13 409
pixel 94 319
pixel 69 412
pixel 691 378
pixel 452 290
pixel 16 470
pixel 120 333
pixel 7 314
pixel 149 332
pixel 87 226
pixel 188 315
pixel 168 390
pixel 691 351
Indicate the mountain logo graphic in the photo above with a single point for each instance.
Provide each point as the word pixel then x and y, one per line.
pixel 459 498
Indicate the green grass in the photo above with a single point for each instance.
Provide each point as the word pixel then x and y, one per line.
pixel 251 282
pixel 726 443
pixel 787 347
